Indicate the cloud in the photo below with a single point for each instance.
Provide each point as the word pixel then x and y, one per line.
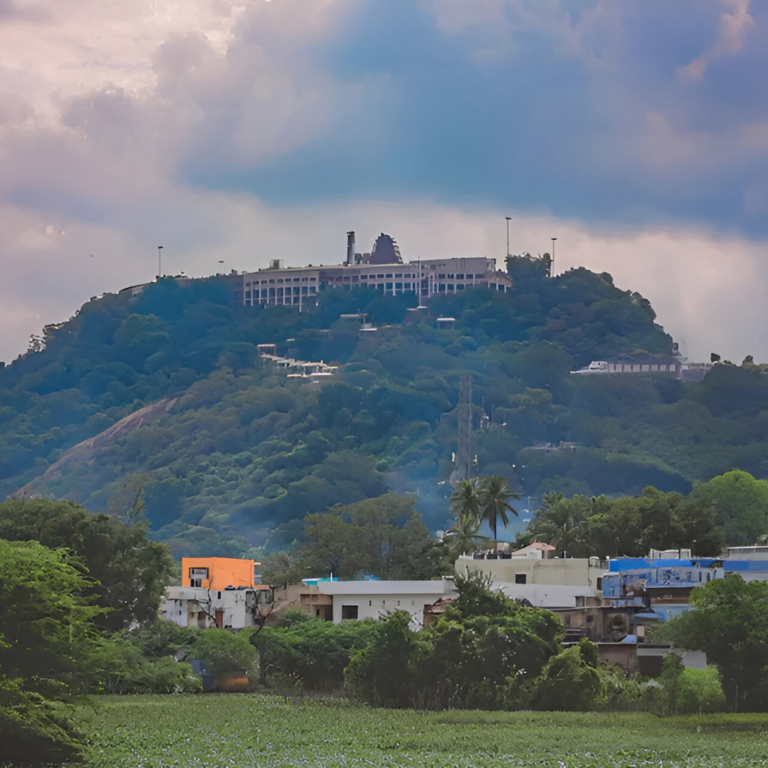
pixel 244 130
pixel 733 29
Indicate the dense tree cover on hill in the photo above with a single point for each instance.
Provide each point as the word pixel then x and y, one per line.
pixel 234 448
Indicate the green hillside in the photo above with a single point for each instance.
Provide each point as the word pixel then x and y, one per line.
pixel 165 395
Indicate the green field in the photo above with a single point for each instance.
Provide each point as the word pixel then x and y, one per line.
pixel 265 731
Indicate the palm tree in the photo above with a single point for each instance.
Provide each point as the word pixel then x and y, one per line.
pixel 463 536
pixel 494 495
pixel 465 502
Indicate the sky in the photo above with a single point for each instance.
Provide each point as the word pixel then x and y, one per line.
pixel 232 132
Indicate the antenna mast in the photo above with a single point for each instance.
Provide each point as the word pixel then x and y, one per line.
pixel 463 458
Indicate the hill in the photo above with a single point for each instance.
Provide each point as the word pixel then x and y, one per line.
pixel 165 395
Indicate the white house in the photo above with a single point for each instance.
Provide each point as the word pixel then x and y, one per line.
pixel 206 608
pixel 375 599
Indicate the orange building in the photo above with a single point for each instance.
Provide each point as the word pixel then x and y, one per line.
pixel 217 572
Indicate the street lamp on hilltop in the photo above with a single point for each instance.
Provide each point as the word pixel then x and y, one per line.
pixel 552 270
pixel 508 218
pixel 159 261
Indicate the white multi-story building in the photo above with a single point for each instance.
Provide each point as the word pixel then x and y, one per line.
pixel 299 286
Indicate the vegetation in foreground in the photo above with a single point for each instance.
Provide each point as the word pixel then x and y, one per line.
pixel 219 730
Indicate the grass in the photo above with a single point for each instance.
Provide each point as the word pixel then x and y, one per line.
pixel 218 730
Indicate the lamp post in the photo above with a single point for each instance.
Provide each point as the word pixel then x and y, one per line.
pixel 552 270
pixel 508 218
pixel 159 261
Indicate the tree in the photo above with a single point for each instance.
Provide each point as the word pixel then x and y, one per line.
pixel 729 622
pixel 463 536
pixel 465 501
pixel 571 680
pixel 316 651
pixel 741 503
pixel 224 653
pixel 46 636
pixel 482 653
pixel 494 495
pixel 383 536
pixel 129 572
pixel 626 526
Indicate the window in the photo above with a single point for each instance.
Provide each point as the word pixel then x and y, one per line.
pixel 389 286
pixel 398 274
pixel 370 603
pixel 348 612
pixel 520 578
pixel 599 583
pixel 459 276
pixel 441 277
pixel 479 277
pixel 590 619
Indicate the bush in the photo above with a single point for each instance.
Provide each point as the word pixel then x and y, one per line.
pixel 571 681
pixel 700 690
pixel 310 649
pixel 224 653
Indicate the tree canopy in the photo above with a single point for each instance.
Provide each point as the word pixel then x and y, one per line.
pixel 128 572
pixel 729 622
pixel 626 526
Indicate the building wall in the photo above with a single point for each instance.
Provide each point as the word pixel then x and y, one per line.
pixel 308 598
pixel 378 606
pixel 546 595
pixel 222 572
pixel 375 599
pixel 571 572
pixel 300 286
pixel 206 608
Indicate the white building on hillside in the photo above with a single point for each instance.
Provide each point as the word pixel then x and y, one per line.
pixel 375 599
pixel 299 286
